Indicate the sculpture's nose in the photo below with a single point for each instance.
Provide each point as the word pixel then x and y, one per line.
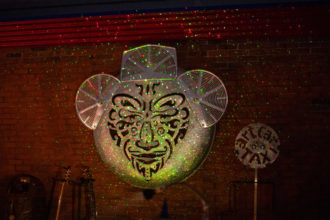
pixel 147 141
pixel 146 133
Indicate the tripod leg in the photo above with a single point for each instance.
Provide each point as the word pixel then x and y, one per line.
pixel 50 202
pixel 59 202
pixel 79 201
pixel 87 200
pixel 73 200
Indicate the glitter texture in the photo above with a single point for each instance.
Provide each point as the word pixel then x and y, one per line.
pixel 151 127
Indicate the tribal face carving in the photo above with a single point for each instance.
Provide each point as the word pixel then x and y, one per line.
pixel 151 125
pixel 148 127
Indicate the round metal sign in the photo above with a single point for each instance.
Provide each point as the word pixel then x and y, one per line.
pixel 151 127
pixel 256 145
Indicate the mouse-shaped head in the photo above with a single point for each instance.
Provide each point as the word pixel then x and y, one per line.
pixel 151 126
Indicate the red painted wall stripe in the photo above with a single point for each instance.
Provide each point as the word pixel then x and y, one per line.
pixel 204 24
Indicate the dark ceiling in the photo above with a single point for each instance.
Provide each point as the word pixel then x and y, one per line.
pixel 34 9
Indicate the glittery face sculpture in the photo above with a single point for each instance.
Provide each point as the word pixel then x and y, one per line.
pixel 148 127
pixel 152 127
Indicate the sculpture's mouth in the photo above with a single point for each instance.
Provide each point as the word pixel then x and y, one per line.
pixel 148 158
pixel 147 146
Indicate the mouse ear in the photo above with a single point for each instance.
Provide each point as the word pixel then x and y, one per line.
pixel 91 97
pixel 206 95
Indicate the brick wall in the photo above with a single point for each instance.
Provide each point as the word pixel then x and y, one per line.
pixel 276 81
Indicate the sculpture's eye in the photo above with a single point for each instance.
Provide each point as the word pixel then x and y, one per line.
pixel 169 103
pixel 161 131
pixel 127 103
pixel 121 125
pixel 135 117
pixel 154 123
pixel 170 112
pixel 134 131
pixel 126 114
pixel 123 113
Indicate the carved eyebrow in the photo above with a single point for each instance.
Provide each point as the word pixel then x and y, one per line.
pixel 170 102
pixel 127 103
pixel 125 100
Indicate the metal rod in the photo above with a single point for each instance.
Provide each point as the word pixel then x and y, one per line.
pixel 59 201
pixel 255 194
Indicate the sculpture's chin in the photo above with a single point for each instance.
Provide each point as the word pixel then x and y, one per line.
pixel 147 162
pixel 147 170
pixel 149 158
